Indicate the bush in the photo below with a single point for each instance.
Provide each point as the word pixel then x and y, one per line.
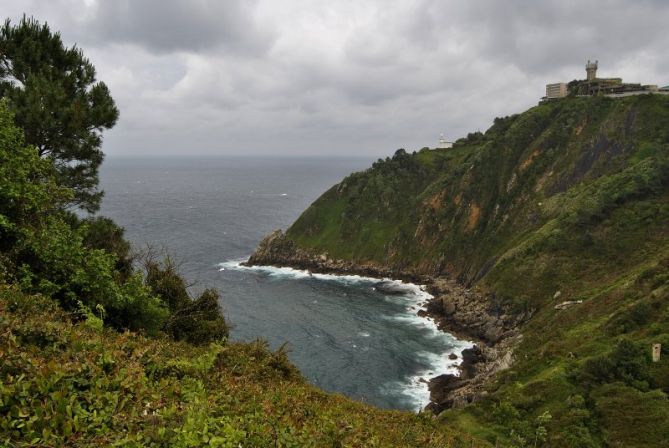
pixel 103 233
pixel 198 321
pixel 626 363
pixel 628 320
pixel 54 261
pixel 632 418
pixel 166 282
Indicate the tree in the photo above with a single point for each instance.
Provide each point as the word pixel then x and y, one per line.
pixel 56 100
pixel 28 191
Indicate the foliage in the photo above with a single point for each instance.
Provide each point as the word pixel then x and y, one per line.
pixel 165 281
pixel 633 418
pixel 55 261
pixel 45 254
pixel 27 186
pixel 103 233
pixel 86 264
pixel 58 103
pixel 65 384
pixel 196 320
pixel 626 363
pixel 521 431
pixel 200 321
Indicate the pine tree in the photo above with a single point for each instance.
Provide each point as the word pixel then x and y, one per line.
pixel 57 101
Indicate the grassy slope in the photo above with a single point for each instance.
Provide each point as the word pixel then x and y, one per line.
pixel 64 384
pixel 570 196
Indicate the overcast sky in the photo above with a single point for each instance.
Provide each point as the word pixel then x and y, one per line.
pixel 340 77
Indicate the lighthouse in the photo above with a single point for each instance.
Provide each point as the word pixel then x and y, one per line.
pixel 443 144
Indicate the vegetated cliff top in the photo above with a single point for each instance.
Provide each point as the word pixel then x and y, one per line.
pixel 567 201
pixel 457 211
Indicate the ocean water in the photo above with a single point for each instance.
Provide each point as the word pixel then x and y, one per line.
pixel 343 334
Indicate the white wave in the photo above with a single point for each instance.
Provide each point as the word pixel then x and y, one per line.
pixel 363 334
pixel 285 272
pixel 414 387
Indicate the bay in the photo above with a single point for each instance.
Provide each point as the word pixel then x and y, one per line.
pixel 210 213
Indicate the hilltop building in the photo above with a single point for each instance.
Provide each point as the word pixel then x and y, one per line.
pixel 591 70
pixel 556 90
pixel 592 86
pixel 443 144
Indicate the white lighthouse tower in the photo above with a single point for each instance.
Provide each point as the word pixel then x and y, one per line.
pixel 443 144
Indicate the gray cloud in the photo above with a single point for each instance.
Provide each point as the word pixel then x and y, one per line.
pixel 174 25
pixel 346 77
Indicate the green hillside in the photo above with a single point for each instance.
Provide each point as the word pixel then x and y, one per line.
pixel 568 201
pixel 65 384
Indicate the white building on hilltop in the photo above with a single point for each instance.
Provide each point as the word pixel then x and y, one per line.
pixel 443 144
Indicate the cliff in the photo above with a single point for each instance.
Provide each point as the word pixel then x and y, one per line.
pixel 553 223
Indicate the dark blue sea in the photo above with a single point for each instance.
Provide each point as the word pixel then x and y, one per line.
pixel 210 213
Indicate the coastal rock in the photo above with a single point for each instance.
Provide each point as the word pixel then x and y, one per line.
pixel 471 314
pixel 441 385
pixel 390 288
pixel 480 364
pixel 470 358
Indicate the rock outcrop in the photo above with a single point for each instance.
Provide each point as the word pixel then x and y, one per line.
pixel 479 365
pixel 276 249
pixel 471 313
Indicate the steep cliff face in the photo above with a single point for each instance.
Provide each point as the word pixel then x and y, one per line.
pixel 460 211
pixel 560 213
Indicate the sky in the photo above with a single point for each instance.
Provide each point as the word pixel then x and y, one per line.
pixel 340 77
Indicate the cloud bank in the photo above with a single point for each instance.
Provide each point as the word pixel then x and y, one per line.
pixel 294 78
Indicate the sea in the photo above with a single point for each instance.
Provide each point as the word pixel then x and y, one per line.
pixel 344 333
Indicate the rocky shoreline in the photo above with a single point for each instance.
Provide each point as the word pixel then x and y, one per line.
pixel 460 311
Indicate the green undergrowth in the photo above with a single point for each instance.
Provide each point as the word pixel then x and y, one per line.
pixel 78 384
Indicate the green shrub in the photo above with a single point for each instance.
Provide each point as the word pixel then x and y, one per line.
pixel 631 319
pixel 626 363
pixel 166 282
pixel 103 233
pixel 55 261
pixel 28 188
pixel 200 321
pixel 196 320
pixel 632 418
